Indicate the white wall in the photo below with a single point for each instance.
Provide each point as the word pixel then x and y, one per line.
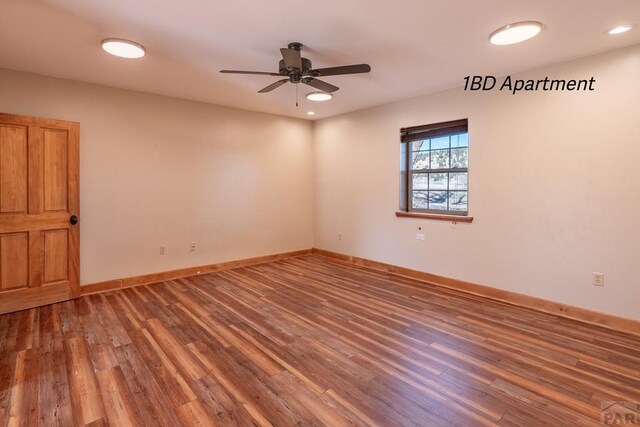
pixel 554 187
pixel 554 182
pixel 157 170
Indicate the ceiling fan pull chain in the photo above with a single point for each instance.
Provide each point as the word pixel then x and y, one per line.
pixel 296 95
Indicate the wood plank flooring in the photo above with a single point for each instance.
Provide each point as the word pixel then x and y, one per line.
pixel 308 341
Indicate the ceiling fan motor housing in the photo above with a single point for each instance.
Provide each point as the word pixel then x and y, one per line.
pixel 306 66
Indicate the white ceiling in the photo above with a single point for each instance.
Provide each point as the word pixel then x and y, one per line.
pixel 414 46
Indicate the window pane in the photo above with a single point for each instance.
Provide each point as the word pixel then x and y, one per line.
pixel 437 181
pixel 459 158
pixel 460 140
pixel 420 181
pixel 420 160
pixel 458 181
pixel 440 159
pixel 419 200
pixel 458 201
pixel 420 145
pixel 440 142
pixel 438 200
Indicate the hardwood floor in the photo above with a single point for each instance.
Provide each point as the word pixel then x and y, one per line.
pixel 308 341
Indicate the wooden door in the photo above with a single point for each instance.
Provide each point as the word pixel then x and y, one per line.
pixel 39 247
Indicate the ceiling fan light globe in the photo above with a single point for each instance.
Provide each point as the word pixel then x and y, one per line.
pixel 319 96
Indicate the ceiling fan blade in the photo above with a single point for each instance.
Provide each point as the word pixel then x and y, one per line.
pixel 261 73
pixel 336 71
pixel 273 86
pixel 292 58
pixel 319 84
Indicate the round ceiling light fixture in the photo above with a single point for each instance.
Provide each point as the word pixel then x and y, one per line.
pixel 620 29
pixel 311 113
pixel 515 33
pixel 123 48
pixel 319 96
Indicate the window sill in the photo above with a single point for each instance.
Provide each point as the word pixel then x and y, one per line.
pixel 438 217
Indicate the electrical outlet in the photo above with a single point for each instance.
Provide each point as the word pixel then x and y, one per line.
pixel 339 236
pixel 163 249
pixel 192 247
pixel 598 279
pixel 419 236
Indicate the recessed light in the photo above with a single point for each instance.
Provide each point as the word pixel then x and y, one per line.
pixel 319 96
pixel 123 48
pixel 311 113
pixel 515 33
pixel 620 29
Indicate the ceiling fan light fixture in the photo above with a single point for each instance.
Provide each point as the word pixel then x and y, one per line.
pixel 123 48
pixel 620 29
pixel 319 96
pixel 515 33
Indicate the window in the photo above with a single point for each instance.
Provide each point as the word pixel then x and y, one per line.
pixel 434 168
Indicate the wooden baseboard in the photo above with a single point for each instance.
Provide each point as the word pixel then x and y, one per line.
pixel 584 315
pixel 145 279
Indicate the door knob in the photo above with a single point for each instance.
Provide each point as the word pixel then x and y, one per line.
pixel 73 220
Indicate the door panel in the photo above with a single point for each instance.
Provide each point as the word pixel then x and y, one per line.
pixel 13 169
pixel 56 256
pixel 39 248
pixel 56 154
pixel 14 261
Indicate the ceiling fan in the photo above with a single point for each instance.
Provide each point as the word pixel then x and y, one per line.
pixel 297 69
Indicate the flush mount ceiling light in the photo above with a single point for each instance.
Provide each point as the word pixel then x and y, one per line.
pixel 123 48
pixel 515 33
pixel 319 96
pixel 311 113
pixel 620 29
